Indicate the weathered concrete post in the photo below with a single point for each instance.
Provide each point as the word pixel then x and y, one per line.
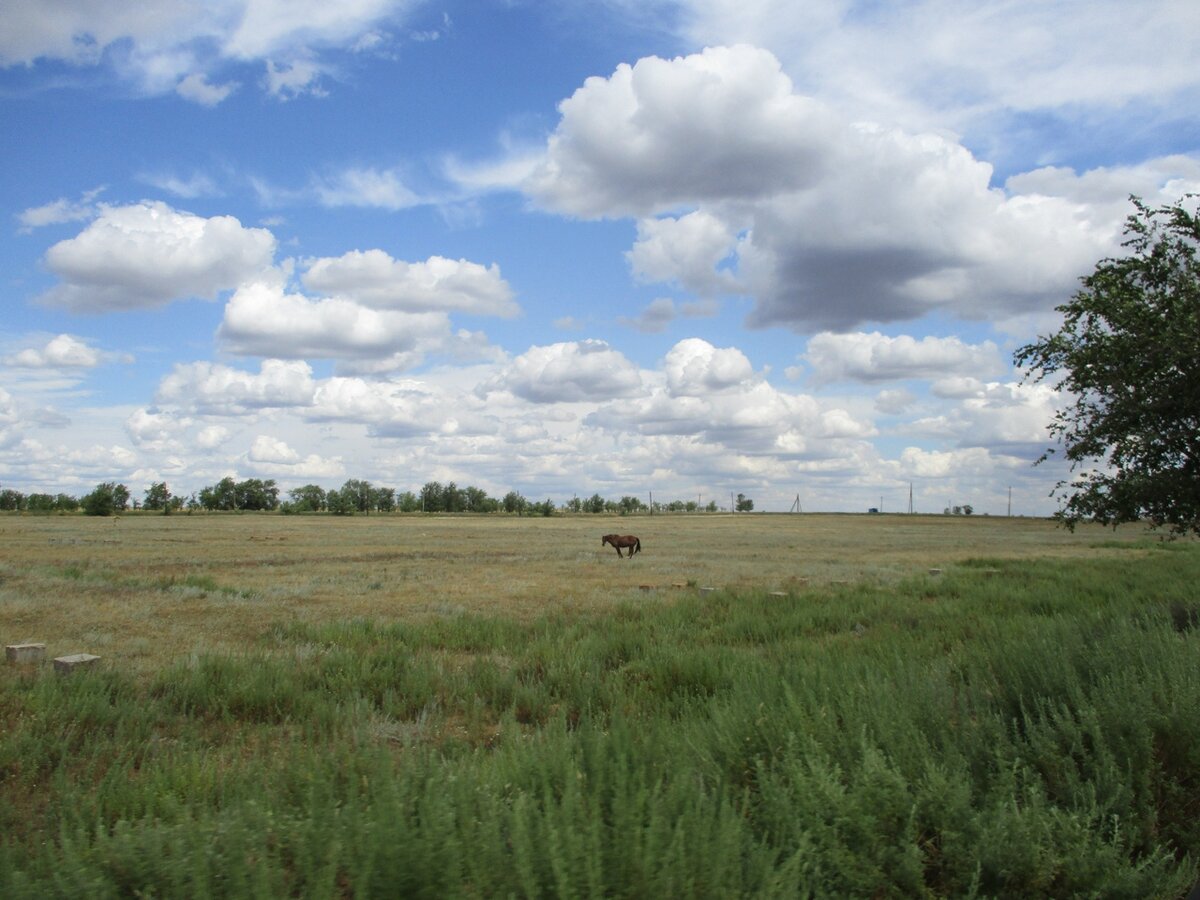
pixel 25 653
pixel 65 664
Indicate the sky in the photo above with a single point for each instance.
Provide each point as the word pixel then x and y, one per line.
pixel 679 248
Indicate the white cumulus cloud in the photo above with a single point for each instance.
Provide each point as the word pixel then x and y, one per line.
pixel 568 372
pixel 215 389
pixel 874 357
pixel 375 279
pixel 165 45
pixel 63 351
pixel 262 319
pixel 742 184
pixel 148 254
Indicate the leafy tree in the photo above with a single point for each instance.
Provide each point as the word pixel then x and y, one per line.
pixel 452 498
pixel 477 500
pixel 256 494
pixel 65 503
pixel 408 502
pixel 222 495
pixel 384 499
pixel 357 493
pixel 107 499
pixel 309 498
pixel 1128 357
pixel 431 497
pixel 158 497
pixel 744 504
pixel 514 503
pixel 341 503
pixel 11 500
pixel 39 502
pixel 629 504
pixel 594 504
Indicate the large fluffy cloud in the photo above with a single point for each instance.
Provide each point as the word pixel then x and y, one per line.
pixel 569 372
pixel 375 279
pixel 724 124
pixel 148 254
pixel 216 389
pixel 262 319
pixel 712 394
pixel 694 367
pixel 61 351
pixel 874 357
pixel 742 184
pixel 166 45
pixel 917 65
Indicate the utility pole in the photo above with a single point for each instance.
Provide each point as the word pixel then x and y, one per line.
pixel 1010 501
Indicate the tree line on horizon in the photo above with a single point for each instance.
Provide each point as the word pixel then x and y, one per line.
pixel 354 497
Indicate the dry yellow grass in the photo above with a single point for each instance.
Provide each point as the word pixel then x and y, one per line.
pixel 149 588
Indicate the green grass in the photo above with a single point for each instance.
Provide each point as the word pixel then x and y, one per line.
pixel 1006 729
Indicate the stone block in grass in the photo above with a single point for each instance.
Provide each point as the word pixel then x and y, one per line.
pixel 65 664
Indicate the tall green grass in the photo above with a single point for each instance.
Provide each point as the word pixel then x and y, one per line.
pixel 1028 732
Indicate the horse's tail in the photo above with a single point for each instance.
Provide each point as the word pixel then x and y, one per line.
pixel 638 547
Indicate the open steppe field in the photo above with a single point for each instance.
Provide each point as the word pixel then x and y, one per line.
pixel 147 588
pixel 495 707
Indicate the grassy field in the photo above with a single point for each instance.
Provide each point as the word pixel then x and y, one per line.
pixel 411 706
pixel 149 588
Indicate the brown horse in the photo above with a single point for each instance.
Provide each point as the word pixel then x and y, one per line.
pixel 622 540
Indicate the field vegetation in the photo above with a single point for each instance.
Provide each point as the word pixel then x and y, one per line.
pixel 458 706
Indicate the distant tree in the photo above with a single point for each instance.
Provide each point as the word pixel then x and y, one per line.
pixel 358 493
pixel 594 504
pixel 431 497
pixel 629 504
pixel 308 498
pixel 107 499
pixel 968 509
pixel 11 501
pixel 220 496
pixel 453 499
pixel 158 497
pixel 515 503
pixel 39 502
pixel 66 503
pixel 341 503
pixel 384 499
pixel 1127 358
pixel 256 494
pixel 744 504
pixel 408 502
pixel 712 506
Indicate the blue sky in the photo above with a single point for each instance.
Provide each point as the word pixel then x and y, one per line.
pixel 692 247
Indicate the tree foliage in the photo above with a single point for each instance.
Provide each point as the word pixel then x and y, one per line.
pixel 107 499
pixel 1128 357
